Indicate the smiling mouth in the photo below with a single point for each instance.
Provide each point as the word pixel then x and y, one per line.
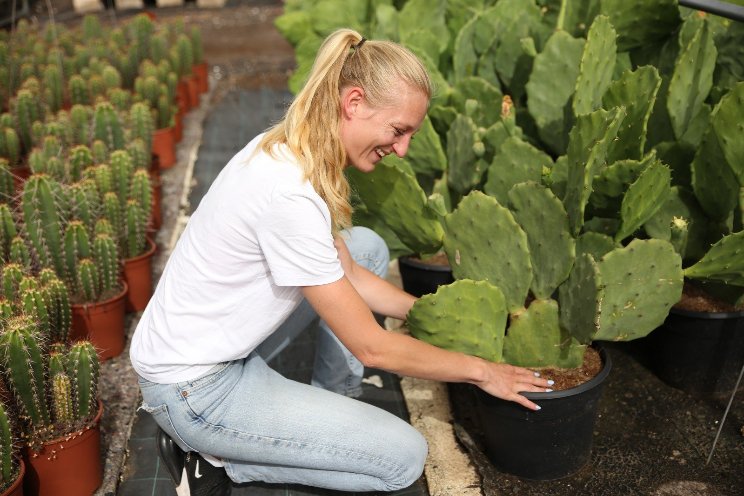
pixel 380 152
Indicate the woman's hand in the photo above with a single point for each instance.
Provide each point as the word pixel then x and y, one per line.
pixel 507 381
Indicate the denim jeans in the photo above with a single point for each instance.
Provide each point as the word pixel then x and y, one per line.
pixel 268 428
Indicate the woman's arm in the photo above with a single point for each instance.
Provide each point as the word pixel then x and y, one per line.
pixel 347 314
pixel 380 296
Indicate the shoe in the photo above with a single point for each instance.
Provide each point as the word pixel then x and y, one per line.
pixel 191 473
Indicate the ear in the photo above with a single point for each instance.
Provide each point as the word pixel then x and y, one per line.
pixel 351 100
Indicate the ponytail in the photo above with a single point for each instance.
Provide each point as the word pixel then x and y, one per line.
pixel 310 127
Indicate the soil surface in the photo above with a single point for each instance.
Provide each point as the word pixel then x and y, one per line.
pixel 568 378
pixel 695 299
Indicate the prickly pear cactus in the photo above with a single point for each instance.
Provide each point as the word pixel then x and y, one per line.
pixel 517 161
pixel 535 339
pixel 635 91
pixel 724 261
pixel 552 248
pixel 395 196
pixel 642 281
pixel 644 198
pixel 596 67
pixel 588 143
pixel 484 242
pixel 465 316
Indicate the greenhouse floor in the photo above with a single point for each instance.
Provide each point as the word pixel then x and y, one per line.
pixel 649 439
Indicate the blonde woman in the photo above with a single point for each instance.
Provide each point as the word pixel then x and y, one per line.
pixel 268 250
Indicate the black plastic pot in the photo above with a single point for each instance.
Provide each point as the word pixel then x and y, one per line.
pixel 419 278
pixel 551 443
pixel 698 352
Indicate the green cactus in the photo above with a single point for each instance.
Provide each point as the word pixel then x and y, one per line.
pixel 100 151
pixel 53 88
pixel 596 67
pixel 8 230
pixel 10 145
pixel 83 368
pixel 22 359
pixel 27 110
pixel 142 125
pixel 12 275
pixel 7 183
pixel 62 398
pixel 135 230
pixel 108 265
pixel 474 305
pixel 43 221
pixel 79 91
pixel 9 449
pixel 79 158
pixel 395 196
pixel 464 243
pixel 77 247
pixel 122 170
pixel 57 298
pixel 80 121
pixel 19 253
pixel 107 126
pixel 196 44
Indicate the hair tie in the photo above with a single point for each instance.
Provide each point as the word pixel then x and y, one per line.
pixel 359 45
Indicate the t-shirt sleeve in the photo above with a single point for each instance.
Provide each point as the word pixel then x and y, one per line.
pixel 295 237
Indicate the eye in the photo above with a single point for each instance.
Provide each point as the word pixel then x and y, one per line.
pixel 398 131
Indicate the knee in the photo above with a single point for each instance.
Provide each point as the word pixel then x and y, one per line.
pixel 368 249
pixel 413 451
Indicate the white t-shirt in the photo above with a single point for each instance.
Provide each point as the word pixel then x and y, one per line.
pixel 259 233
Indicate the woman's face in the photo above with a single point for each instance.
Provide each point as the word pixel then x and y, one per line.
pixel 369 133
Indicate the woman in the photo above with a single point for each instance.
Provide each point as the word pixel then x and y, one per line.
pixel 264 253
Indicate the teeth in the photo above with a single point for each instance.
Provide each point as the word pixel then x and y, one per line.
pixel 380 152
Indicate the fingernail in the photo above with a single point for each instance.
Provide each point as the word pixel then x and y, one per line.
pixel 548 390
pixel 537 374
pixel 551 382
pixel 538 408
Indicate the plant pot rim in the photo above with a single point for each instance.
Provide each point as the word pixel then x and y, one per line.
pixel 70 436
pixel 151 247
pixel 581 388
pixel 707 315
pixel 409 260
pixel 118 296
pixel 19 478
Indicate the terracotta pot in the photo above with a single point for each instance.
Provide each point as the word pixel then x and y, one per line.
pixel 182 95
pixel 193 85
pixel 102 323
pixel 138 275
pixel 16 489
pixel 200 71
pixel 178 126
pixel 164 146
pixel 66 466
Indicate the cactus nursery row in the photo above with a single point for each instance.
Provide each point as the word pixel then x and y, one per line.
pixel 82 112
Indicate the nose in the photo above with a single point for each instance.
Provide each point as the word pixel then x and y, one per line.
pixel 400 147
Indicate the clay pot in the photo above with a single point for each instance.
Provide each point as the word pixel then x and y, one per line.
pixel 102 323
pixel 164 146
pixel 193 86
pixel 67 466
pixel 200 71
pixel 138 275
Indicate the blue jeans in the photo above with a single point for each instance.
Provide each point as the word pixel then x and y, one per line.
pixel 268 428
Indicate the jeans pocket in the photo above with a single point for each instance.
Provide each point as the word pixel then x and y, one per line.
pixel 162 418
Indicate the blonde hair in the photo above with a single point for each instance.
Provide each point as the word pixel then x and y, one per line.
pixel 310 128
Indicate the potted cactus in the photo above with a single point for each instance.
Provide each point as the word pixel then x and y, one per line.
pixel 55 387
pixel 12 468
pixel 535 288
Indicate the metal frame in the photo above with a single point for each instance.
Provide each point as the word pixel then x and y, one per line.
pixel 724 9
